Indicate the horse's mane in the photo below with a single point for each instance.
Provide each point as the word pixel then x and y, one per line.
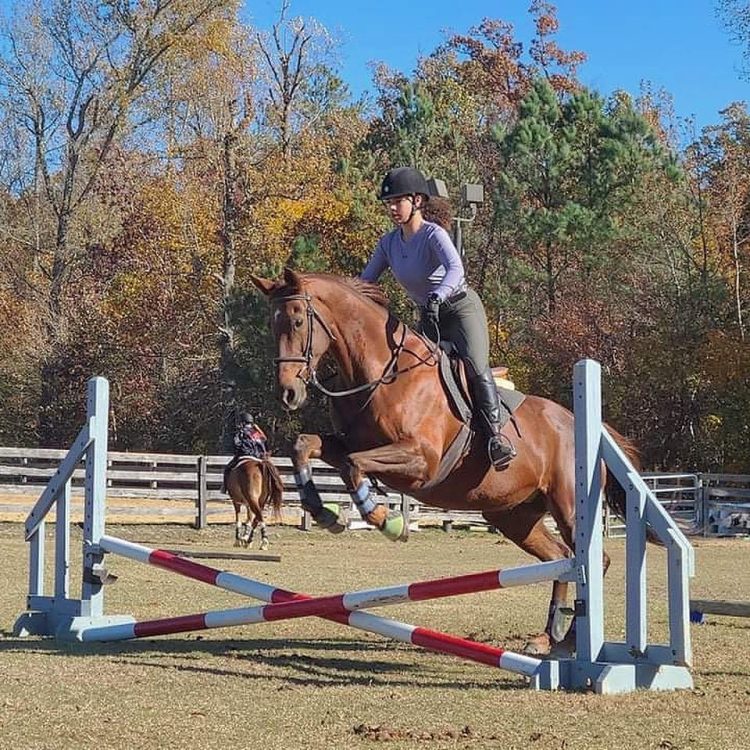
pixel 365 288
pixel 371 291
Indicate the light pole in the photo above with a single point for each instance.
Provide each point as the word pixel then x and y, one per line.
pixel 472 196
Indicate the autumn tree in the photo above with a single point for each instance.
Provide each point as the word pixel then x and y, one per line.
pixel 71 72
pixel 735 15
pixel 725 152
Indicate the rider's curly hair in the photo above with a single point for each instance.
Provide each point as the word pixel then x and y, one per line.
pixel 439 211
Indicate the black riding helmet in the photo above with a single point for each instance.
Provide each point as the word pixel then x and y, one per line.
pixel 246 418
pixel 403 181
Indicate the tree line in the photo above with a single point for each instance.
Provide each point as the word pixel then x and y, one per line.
pixel 154 154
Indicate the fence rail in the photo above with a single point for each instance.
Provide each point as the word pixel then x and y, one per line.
pixel 177 486
pixel 182 487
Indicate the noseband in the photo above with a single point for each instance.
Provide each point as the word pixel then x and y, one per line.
pixel 308 374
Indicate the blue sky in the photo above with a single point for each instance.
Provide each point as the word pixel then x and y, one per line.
pixel 678 45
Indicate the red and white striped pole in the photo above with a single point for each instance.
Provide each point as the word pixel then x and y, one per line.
pixel 339 608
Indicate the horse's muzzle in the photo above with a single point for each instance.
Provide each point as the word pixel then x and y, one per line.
pixel 293 396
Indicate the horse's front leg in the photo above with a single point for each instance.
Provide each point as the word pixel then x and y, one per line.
pixel 399 459
pixel 329 449
pixel 403 460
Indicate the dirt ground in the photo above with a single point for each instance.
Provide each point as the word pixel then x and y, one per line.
pixel 315 684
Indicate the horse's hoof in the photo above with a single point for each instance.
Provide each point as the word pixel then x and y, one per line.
pixel 565 649
pixel 264 544
pixel 537 646
pixel 237 543
pixel 330 518
pixel 395 527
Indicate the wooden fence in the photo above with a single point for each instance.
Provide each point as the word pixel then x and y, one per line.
pixel 151 487
pixel 143 487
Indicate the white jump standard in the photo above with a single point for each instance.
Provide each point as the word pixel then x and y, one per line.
pixel 604 666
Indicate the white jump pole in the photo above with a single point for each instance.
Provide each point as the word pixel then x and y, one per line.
pixel 339 608
pixel 334 604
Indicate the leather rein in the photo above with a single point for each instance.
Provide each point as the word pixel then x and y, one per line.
pixel 308 374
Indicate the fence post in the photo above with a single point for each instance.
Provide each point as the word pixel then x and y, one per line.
pixel 701 501
pixel 200 518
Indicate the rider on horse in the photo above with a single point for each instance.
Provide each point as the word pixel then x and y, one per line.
pixel 424 260
pixel 249 440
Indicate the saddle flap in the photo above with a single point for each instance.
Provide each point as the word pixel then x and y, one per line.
pixel 455 383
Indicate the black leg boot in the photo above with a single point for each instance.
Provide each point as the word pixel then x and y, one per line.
pixel 487 408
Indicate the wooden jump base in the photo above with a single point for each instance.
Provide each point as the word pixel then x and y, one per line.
pixel 700 607
pixel 219 555
pixel 604 666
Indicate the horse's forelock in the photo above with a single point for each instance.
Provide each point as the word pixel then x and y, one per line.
pixel 282 289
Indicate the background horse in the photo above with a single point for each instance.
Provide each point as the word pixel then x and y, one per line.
pixel 394 421
pixel 252 483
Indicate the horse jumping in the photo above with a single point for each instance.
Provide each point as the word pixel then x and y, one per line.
pixel 393 421
pixel 252 483
pixel 604 666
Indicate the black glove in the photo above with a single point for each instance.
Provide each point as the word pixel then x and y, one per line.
pixel 431 312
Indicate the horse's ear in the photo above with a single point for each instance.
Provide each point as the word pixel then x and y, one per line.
pixel 292 278
pixel 265 285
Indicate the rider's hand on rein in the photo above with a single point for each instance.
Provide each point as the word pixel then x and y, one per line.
pixel 431 313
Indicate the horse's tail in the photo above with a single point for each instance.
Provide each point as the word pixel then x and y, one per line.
pixel 275 487
pixel 613 490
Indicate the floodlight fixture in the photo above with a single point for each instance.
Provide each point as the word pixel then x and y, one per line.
pixel 473 194
pixel 437 188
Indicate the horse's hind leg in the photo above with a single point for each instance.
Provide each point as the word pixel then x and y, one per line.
pixel 561 504
pixel 258 522
pixel 253 494
pixel 261 524
pixel 237 525
pixel 524 525
pixel 247 527
pixel 235 484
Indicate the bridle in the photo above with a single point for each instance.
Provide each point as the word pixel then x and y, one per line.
pixel 308 374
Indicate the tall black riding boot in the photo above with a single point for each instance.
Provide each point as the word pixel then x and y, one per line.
pixel 487 406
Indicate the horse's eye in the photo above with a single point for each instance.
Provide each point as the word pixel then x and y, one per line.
pixel 298 323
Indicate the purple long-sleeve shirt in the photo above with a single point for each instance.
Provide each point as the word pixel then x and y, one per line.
pixel 427 262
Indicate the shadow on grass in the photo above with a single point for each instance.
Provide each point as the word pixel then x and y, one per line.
pixel 719 673
pixel 292 662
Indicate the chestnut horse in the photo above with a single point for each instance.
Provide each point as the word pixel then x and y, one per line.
pixel 393 421
pixel 252 483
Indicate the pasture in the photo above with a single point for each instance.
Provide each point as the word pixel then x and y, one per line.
pixel 315 684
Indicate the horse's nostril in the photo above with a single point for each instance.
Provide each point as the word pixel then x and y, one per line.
pixel 292 397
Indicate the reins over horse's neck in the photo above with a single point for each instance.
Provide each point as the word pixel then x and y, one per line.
pixel 369 339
